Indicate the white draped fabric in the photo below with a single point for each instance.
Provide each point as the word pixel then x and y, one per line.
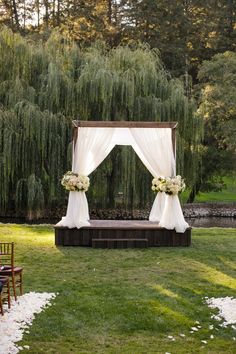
pixel 154 148
pixel 158 207
pixel 172 216
pixel 92 147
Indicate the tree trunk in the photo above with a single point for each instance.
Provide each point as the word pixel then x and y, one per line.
pixel 38 13
pixel 53 12
pixel 24 16
pixel 46 12
pixel 58 12
pixel 113 177
pixel 111 180
pixel 230 15
pixel 194 191
pixel 109 13
pixel 15 13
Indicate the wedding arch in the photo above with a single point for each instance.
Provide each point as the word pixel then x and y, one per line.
pixel 153 142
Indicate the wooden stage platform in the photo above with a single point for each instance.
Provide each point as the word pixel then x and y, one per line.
pixel 121 234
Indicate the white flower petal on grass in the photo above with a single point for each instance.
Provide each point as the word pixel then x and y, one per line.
pixel 227 309
pixel 19 317
pixel 215 317
pixel 199 327
pixel 211 336
pixel 197 322
pixel 182 335
pixel 204 341
pixel 191 331
pixel 194 329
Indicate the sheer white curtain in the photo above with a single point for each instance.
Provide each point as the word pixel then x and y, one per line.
pixel 154 148
pixel 172 216
pixel 92 147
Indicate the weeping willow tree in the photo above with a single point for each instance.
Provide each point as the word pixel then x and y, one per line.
pixel 33 147
pixel 34 133
pixel 43 86
pixel 125 84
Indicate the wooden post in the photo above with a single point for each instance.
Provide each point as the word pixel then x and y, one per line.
pixel 173 137
pixel 75 132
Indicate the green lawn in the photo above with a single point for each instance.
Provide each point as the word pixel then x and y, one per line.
pixel 227 195
pixel 126 301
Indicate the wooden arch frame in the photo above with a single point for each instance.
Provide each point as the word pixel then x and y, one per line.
pixel 126 124
pixel 122 233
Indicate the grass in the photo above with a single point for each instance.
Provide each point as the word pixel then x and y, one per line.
pixel 227 195
pixel 126 301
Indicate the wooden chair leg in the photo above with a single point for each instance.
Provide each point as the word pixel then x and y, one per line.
pixel 7 284
pixel 21 283
pixel 1 306
pixel 8 295
pixel 14 287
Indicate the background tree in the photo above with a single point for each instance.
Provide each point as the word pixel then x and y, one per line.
pixel 217 106
pixel 44 86
pixel 185 33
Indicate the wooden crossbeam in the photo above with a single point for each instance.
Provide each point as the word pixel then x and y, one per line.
pixel 125 124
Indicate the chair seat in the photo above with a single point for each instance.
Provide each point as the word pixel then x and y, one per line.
pixel 7 270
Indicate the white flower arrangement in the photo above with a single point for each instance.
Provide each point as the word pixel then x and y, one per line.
pixel 168 185
pixel 74 182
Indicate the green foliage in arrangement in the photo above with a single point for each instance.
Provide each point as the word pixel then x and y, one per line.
pixel 127 301
pixel 43 86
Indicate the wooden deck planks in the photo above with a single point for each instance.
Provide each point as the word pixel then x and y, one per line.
pixel 122 230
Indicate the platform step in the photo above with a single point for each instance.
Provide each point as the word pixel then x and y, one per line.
pixel 119 243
